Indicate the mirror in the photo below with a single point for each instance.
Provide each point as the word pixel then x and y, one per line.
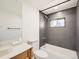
pixel 10 21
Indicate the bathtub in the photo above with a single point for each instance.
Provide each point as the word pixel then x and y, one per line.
pixel 55 52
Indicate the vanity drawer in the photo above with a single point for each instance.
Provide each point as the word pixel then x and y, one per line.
pixel 25 55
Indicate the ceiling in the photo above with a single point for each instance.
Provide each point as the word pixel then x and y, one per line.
pixel 44 4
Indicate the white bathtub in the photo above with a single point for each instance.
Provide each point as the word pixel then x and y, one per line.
pixel 56 52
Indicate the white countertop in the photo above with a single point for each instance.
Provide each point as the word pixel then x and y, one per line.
pixel 15 50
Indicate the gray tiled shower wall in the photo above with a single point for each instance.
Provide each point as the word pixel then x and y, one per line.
pixel 77 31
pixel 63 37
pixel 68 36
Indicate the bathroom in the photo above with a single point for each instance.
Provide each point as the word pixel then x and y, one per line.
pixel 39 29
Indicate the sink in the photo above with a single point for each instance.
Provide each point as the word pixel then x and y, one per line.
pixel 5 49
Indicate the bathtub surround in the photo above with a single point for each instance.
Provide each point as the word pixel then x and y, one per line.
pixel 42 28
pixel 77 45
pixel 65 36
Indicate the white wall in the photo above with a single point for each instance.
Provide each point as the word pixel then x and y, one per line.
pixel 11 6
pixel 30 23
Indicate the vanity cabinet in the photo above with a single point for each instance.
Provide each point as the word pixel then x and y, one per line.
pixel 24 55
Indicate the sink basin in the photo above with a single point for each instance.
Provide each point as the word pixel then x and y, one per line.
pixel 5 49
